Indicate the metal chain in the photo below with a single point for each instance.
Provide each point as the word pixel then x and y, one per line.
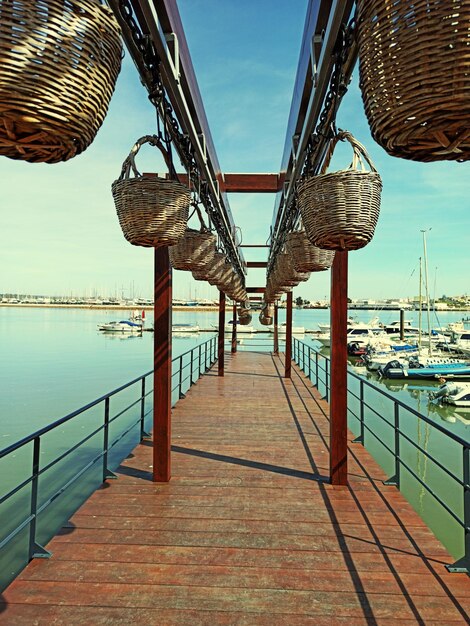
pixel 158 97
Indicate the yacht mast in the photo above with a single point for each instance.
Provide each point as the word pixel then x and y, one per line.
pixel 420 314
pixel 427 289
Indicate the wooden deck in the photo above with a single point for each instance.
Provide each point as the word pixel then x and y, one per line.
pixel 244 533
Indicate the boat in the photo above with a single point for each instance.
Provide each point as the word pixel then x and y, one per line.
pixel 123 326
pixel 281 329
pixel 241 328
pixel 359 333
pixel 457 394
pixel 431 370
pixel 185 328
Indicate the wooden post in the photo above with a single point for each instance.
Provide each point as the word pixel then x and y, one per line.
pixel 276 330
pixel 234 329
pixel 162 368
pixel 339 364
pixel 221 332
pixel 288 364
pixel 402 324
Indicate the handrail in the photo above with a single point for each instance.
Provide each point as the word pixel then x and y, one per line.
pixel 204 354
pixel 463 564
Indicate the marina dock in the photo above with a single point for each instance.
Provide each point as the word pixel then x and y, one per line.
pixel 248 530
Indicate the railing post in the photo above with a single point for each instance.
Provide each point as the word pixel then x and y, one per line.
pixel 316 369
pixel 143 433
pixel 360 438
pixel 462 566
pixel 106 472
pixel 327 393
pixel 180 380
pixel 191 369
pixel 36 551
pixel 339 360
pixel 221 333
pixel 199 361
pixel 309 363
pixel 395 479
pixel 288 353
pixel 162 367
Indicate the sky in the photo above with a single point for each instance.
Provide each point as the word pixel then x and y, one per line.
pixel 59 230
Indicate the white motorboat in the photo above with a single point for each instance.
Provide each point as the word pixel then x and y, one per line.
pixel 240 328
pixel 281 329
pixel 457 394
pixel 361 333
pixel 185 328
pixel 124 326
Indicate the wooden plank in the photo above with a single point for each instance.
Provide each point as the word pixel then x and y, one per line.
pixel 244 533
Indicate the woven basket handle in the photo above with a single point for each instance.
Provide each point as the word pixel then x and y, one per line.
pixel 129 164
pixel 359 153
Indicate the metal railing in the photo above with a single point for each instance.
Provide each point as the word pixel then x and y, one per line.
pixel 317 369
pixel 189 367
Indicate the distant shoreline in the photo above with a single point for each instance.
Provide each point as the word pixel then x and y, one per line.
pixel 122 307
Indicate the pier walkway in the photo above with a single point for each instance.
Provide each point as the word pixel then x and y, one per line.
pixel 247 532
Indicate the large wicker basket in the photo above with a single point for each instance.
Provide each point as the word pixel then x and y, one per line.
pixel 152 211
pixel 194 251
pixel 414 76
pixel 305 256
pixel 59 65
pixel 340 210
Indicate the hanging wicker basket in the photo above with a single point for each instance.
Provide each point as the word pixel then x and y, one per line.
pixel 152 211
pixel 305 256
pixel 59 65
pixel 194 251
pixel 414 76
pixel 340 210
pixel 244 316
pixel 213 271
pixel 266 315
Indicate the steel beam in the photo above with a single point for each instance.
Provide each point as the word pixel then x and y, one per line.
pixel 276 329
pixel 221 338
pixel 252 183
pixel 288 353
pixel 325 19
pixel 234 329
pixel 339 364
pixel 162 368
pixel 160 19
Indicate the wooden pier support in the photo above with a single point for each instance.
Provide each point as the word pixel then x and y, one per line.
pixel 339 364
pixel 276 330
pixel 234 329
pixel 162 368
pixel 221 333
pixel 288 363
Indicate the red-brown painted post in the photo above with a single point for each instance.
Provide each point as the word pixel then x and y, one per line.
pixel 234 329
pixel 288 364
pixel 221 332
pixel 276 330
pixel 162 368
pixel 338 378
